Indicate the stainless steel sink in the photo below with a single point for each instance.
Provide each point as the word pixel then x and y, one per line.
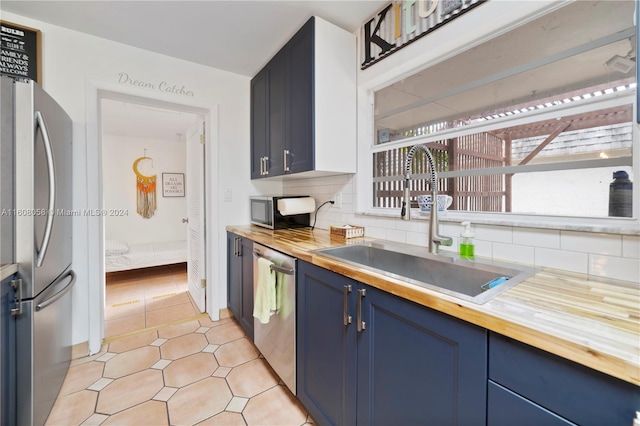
pixel 477 281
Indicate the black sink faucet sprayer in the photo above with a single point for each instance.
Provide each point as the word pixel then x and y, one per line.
pixel 435 240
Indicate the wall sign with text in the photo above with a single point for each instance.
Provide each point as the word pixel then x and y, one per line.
pixel 173 184
pixel 404 21
pixel 20 51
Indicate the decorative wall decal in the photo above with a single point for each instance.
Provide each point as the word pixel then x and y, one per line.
pixel 145 191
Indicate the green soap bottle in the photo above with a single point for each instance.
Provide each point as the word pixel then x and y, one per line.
pixel 467 249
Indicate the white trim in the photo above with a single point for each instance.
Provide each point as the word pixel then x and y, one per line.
pixel 95 91
pixel 572 108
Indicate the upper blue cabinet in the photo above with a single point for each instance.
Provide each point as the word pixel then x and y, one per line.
pixel 303 106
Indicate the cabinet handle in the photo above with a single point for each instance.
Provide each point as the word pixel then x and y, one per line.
pixel 361 324
pixel 266 165
pixel 286 153
pixel 346 318
pixel 236 245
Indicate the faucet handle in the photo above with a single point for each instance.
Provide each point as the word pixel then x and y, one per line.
pixel 442 240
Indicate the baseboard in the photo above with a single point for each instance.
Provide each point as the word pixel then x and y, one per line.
pixel 80 350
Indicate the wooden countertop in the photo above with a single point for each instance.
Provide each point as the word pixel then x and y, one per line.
pixel 8 270
pixel 594 323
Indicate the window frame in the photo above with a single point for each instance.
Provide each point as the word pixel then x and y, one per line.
pixel 367 145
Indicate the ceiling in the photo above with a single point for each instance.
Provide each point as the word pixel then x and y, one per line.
pixel 238 36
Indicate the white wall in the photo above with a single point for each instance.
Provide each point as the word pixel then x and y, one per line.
pixel 74 65
pixel 119 189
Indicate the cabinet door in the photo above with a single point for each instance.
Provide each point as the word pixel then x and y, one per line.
pixel 573 391
pixel 419 366
pixel 300 137
pixel 246 256
pixel 240 281
pixel 234 276
pixel 259 122
pixel 326 347
pixel 277 113
pixel 506 408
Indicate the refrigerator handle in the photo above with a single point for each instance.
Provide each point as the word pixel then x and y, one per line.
pixel 61 293
pixel 39 122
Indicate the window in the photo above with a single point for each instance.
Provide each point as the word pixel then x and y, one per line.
pixel 535 121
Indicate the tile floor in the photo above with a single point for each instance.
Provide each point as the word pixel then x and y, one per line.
pixel 144 298
pixel 191 371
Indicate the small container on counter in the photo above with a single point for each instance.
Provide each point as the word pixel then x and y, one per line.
pixel 467 248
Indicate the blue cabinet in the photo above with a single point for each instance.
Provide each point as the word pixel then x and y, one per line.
pixel 240 280
pixel 303 105
pixel 368 357
pixel 8 362
pixel 282 110
pixel 553 388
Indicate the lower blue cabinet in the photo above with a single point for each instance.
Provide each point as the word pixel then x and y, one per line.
pixel 366 357
pixel 507 408
pixel 575 393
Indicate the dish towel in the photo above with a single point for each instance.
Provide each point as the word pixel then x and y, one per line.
pixel 265 297
pixel 282 306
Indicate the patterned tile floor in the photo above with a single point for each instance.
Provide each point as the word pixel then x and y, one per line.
pixel 144 298
pixel 191 371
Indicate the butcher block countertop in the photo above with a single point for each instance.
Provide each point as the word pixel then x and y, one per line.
pixel 594 323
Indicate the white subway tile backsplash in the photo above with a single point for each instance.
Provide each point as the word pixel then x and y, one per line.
pixel 562 259
pixel 418 239
pixel 534 237
pixel 615 267
pixel 631 246
pixel 483 248
pixel 396 235
pixel 374 232
pixel 591 243
pixel 514 253
pixel 407 225
pixel 498 234
pixel 603 255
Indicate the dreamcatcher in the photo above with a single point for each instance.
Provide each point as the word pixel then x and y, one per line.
pixel 145 191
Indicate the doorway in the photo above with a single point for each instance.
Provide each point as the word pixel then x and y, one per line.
pixel 153 195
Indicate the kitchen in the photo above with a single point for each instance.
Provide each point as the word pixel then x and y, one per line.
pixel 87 71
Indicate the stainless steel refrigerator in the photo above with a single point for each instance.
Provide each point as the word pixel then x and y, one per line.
pixel 36 235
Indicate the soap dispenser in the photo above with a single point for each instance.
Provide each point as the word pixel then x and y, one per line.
pixel 466 242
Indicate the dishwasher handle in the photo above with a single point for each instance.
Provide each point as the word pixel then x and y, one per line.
pixel 275 267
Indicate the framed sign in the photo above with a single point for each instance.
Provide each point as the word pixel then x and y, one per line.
pixel 173 184
pixel 20 51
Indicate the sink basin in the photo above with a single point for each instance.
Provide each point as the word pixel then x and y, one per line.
pixel 473 280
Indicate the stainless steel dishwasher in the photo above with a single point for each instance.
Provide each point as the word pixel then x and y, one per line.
pixel 276 340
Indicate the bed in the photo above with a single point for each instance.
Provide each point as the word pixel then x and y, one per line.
pixel 120 256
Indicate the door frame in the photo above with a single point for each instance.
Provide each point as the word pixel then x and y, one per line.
pixel 95 92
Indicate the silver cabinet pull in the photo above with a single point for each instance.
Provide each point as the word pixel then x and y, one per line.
pixel 286 153
pixel 361 324
pixel 346 318
pixel 266 165
pixel 236 250
pixel 17 286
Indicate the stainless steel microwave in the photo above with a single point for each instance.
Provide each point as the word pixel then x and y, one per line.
pixel 264 212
